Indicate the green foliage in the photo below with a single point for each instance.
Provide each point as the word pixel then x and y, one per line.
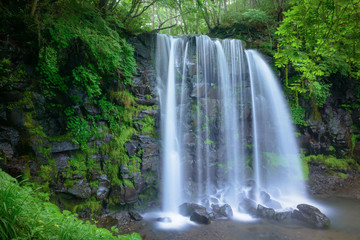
pixel 9 74
pixel 318 38
pixel 86 77
pixel 298 115
pixel 80 130
pixel 23 215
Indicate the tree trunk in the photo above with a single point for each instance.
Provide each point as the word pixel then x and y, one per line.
pixel 153 17
pixel 33 9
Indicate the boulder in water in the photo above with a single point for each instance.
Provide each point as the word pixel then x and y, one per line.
pixel 223 211
pixel 265 212
pixel 186 209
pixel 266 200
pixel 311 215
pixel 248 206
pixel 283 216
pixel 264 197
pixel 200 216
pixel 273 204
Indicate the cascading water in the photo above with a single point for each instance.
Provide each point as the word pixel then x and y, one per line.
pixel 225 124
pixel 276 154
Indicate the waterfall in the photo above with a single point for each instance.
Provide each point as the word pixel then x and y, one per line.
pixel 226 133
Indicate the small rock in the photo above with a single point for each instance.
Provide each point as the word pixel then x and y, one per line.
pixel 135 215
pixel 186 209
pixel 200 216
pixel 226 211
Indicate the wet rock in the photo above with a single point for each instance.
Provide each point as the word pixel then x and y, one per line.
pixel 81 189
pixel 131 147
pixel 90 108
pixel 103 190
pixel 273 204
pixel 265 212
pixel 266 200
pixel 222 211
pixel 186 209
pixel 61 160
pixel 135 215
pixel 283 216
pixel 201 216
pixel 64 146
pixel 7 150
pixel 121 218
pixel 264 197
pixel 311 215
pixel 248 206
pixel 130 195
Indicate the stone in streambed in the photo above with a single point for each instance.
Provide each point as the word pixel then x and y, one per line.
pixel 200 216
pixel 221 211
pixel 283 216
pixel 186 209
pixel 265 212
pixel 248 206
pixel 311 215
pixel 135 215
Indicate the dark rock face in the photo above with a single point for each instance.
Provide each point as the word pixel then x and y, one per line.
pixel 80 189
pixel 200 215
pixel 33 138
pixel 64 146
pixel 311 216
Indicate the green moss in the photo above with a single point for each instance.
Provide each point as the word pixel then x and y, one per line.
pixel 123 97
pixel 148 97
pixel 354 137
pixel 128 183
pixel 305 168
pixel 342 175
pixel 147 125
pixel 331 149
pixel 333 163
pixel 92 204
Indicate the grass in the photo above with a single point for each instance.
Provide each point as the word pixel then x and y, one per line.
pixel 27 214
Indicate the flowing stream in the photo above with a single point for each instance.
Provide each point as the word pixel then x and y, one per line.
pixel 225 127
